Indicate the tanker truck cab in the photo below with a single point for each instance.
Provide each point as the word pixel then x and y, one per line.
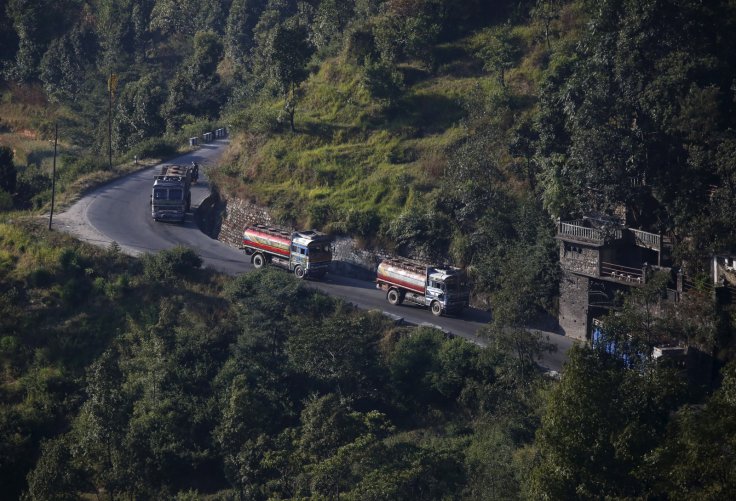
pixel 305 253
pixel 442 290
pixel 448 287
pixel 311 253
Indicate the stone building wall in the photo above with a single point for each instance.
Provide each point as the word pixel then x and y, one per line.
pixel 573 314
pixel 578 258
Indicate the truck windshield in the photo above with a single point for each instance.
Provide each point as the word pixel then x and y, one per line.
pixel 175 194
pixel 456 284
pixel 319 248
pixel 159 194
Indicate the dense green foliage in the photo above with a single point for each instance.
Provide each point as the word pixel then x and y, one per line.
pixel 155 378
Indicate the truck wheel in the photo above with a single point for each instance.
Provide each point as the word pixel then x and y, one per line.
pixel 299 272
pixel 393 297
pixel 258 261
pixel 436 308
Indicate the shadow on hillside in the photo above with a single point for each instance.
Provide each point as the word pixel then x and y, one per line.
pixel 37 157
pixel 456 62
pixel 430 112
pixel 413 75
pixel 325 131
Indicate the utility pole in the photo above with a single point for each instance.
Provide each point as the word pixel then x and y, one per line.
pixel 53 174
pixel 112 82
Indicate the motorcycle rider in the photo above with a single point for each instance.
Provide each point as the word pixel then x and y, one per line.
pixel 195 172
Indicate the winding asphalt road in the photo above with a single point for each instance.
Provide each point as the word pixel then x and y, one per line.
pixel 119 211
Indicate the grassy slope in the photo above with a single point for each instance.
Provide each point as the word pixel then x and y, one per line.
pixel 351 154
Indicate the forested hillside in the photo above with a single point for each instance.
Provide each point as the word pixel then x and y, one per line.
pixel 451 131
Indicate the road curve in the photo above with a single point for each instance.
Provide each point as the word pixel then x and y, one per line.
pixel 119 211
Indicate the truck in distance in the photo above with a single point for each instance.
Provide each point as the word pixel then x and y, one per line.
pixel 306 253
pixel 171 197
pixel 442 289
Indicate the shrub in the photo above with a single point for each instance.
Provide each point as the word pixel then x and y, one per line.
pixel 363 223
pixel 155 147
pixel 383 80
pixel 75 290
pixel 6 200
pixel 426 236
pixel 319 214
pixel 359 45
pixel 8 173
pixel 74 167
pixel 33 189
pixel 71 261
pixel 170 263
pixel 40 277
pixel 258 119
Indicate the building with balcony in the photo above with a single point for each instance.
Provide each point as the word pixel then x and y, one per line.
pixel 600 258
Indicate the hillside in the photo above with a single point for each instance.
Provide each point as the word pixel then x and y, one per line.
pixel 441 131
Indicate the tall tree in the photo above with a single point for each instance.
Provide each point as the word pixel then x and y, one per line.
pixel 66 61
pixel 241 21
pixel 696 459
pixel 195 89
pixel 36 24
pixel 622 113
pixel 499 52
pixel 287 54
pixel 137 113
pixel 8 42
pixel 600 423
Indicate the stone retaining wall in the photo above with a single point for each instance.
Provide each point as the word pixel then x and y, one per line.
pixel 235 215
pixel 224 218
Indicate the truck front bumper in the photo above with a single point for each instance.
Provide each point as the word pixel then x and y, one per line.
pixel 168 215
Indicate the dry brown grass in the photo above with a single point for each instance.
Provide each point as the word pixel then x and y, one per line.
pixel 433 165
pixel 75 190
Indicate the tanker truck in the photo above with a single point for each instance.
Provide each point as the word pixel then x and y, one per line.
pixel 171 197
pixel 306 253
pixel 442 289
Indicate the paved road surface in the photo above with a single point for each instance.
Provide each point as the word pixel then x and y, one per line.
pixel 119 211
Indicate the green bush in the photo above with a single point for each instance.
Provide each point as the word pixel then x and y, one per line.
pixel 75 290
pixel 258 119
pixel 72 261
pixel 364 223
pixel 359 45
pixel 383 80
pixel 33 188
pixel 71 167
pixel 425 235
pixel 154 147
pixel 170 263
pixel 319 214
pixel 40 277
pixel 6 200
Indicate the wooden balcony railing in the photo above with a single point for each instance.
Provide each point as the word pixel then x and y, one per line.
pixel 577 231
pixel 646 239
